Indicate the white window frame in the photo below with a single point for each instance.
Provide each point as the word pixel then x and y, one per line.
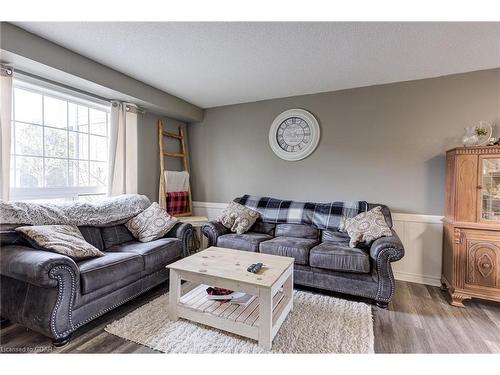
pixel 69 192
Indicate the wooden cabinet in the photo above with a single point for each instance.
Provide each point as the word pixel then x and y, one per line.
pixel 471 236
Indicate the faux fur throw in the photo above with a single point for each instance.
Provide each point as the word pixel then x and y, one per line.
pixel 107 211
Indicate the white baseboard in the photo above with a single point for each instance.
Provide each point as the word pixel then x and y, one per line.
pixel 421 236
pixel 419 279
pixel 214 205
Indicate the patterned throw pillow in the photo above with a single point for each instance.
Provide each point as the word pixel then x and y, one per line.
pixel 152 223
pixel 62 239
pixel 367 227
pixel 238 218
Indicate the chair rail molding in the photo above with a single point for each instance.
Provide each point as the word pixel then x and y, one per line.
pixel 421 236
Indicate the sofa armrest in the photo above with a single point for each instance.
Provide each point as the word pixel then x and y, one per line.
pixel 36 267
pixel 184 232
pixel 384 251
pixel 180 230
pixel 212 230
pixel 387 246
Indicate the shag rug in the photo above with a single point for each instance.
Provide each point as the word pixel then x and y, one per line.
pixel 317 324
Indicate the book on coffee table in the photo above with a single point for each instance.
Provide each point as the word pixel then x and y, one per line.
pixel 230 296
pixel 244 300
pixel 239 298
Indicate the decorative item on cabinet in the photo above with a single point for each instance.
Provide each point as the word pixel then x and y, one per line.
pixel 471 236
pixel 470 137
pixel 478 135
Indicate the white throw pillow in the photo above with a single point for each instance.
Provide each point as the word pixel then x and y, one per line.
pixel 62 239
pixel 238 218
pixel 367 227
pixel 152 223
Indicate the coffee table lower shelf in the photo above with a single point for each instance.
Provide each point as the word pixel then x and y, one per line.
pixel 239 319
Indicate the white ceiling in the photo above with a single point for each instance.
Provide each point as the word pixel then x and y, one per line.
pixel 213 64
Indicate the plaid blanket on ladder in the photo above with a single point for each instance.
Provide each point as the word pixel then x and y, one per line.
pixel 177 202
pixel 319 215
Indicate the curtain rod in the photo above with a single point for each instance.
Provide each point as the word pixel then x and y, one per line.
pixel 70 88
pixel 134 109
pixel 129 107
pixel 30 77
pixel 6 69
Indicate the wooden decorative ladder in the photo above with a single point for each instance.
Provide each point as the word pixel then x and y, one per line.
pixel 183 155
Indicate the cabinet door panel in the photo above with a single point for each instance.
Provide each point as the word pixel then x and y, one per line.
pixel 482 251
pixel 466 188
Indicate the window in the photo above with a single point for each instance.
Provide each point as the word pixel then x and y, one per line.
pixel 59 145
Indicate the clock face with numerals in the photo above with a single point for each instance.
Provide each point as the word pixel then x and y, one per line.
pixel 294 134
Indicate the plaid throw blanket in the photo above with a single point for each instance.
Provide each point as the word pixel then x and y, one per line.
pixel 177 202
pixel 319 215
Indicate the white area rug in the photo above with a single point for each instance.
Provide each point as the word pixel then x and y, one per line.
pixel 317 324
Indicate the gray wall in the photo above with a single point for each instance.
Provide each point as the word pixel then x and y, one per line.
pixel 381 143
pixel 148 150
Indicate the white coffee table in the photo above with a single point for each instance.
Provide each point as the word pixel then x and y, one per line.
pixel 226 268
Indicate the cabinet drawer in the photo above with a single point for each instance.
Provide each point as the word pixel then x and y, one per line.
pixel 481 250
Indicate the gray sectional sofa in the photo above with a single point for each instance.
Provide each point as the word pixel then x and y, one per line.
pixel 323 258
pixel 55 295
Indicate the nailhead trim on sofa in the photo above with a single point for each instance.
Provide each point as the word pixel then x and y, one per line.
pixel 102 312
pixel 60 292
pixel 392 256
pixel 342 290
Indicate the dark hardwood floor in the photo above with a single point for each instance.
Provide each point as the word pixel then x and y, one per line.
pixel 418 320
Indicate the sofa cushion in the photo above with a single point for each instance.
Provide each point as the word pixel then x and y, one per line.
pixel 115 235
pixel 297 248
pixel 247 241
pixel 261 227
pixel 335 236
pixel 296 230
pixel 339 257
pixel 92 235
pixel 98 272
pixel 156 254
pixel 11 237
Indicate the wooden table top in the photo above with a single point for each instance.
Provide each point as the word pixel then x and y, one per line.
pixel 193 219
pixel 232 265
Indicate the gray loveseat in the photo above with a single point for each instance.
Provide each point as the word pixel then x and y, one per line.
pixel 55 295
pixel 323 258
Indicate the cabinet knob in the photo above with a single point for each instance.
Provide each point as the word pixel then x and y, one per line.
pixel 479 187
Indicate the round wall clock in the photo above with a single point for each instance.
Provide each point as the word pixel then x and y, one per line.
pixel 294 134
